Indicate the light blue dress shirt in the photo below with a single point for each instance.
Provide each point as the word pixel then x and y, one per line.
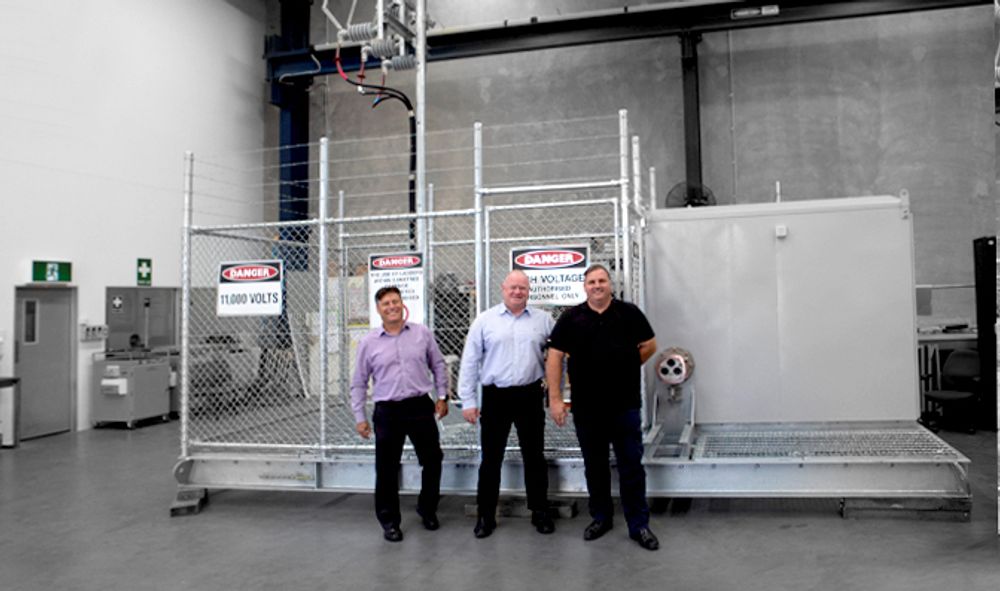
pixel 503 350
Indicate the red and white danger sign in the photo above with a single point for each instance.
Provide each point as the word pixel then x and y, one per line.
pixel 405 271
pixel 250 288
pixel 555 272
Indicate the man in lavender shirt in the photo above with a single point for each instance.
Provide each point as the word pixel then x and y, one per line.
pixel 399 357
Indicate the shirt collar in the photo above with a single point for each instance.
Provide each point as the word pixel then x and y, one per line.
pixel 613 304
pixel 383 333
pixel 506 310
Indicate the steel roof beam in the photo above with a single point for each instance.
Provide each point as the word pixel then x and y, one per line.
pixel 625 24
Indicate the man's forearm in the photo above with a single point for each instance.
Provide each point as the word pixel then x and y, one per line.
pixel 553 374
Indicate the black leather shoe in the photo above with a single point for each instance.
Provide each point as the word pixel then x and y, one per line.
pixel 646 539
pixel 484 528
pixel 392 533
pixel 596 529
pixel 429 520
pixel 542 522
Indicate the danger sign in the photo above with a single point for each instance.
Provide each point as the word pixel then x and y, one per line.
pixel 405 271
pixel 555 273
pixel 249 288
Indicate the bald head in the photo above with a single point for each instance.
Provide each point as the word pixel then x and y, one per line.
pixel 516 274
pixel 514 289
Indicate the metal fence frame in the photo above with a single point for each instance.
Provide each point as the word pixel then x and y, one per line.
pixel 327 465
pixel 325 234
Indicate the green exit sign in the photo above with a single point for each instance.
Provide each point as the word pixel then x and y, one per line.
pixel 51 271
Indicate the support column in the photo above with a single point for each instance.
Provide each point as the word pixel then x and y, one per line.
pixel 291 96
pixel 692 113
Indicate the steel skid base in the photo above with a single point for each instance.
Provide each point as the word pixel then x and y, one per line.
pixel 882 467
pixel 878 467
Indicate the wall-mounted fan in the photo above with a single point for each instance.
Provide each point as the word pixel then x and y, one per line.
pixel 680 195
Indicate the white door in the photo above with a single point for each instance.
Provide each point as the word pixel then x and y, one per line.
pixel 43 359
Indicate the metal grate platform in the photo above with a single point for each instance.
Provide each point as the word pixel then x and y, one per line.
pixel 889 461
pixel 901 444
pixel 560 443
pixel 254 434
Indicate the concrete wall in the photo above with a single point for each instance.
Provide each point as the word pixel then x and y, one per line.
pixel 841 108
pixel 99 102
pixel 863 107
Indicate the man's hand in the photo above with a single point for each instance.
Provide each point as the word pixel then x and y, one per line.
pixel 558 410
pixel 441 408
pixel 471 414
pixel 363 429
pixel 553 377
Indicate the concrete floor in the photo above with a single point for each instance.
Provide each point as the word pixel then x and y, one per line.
pixel 90 511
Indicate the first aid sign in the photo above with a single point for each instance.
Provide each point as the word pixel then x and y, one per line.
pixel 250 288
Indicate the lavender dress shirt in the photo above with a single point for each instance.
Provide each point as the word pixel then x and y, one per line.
pixel 400 366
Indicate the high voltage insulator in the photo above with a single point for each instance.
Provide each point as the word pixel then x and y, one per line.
pixel 383 48
pixel 403 62
pixel 361 32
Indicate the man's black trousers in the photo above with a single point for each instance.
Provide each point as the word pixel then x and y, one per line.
pixel 394 422
pixel 521 406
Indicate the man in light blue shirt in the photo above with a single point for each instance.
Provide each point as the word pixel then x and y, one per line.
pixel 505 351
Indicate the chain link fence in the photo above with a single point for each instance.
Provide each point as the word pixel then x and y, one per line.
pixel 249 379
pixel 255 384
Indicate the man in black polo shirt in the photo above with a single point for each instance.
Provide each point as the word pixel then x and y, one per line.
pixel 607 341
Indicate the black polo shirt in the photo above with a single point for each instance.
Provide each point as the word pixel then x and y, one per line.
pixel 603 354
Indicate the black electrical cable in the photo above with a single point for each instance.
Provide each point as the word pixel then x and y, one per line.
pixel 400 96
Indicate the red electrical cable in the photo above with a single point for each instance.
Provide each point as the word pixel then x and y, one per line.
pixel 343 74
pixel 340 69
pixel 379 97
pixel 383 92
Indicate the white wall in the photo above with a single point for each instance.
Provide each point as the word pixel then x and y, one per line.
pixel 99 101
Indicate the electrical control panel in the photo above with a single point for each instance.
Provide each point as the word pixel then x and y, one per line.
pixel 93 332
